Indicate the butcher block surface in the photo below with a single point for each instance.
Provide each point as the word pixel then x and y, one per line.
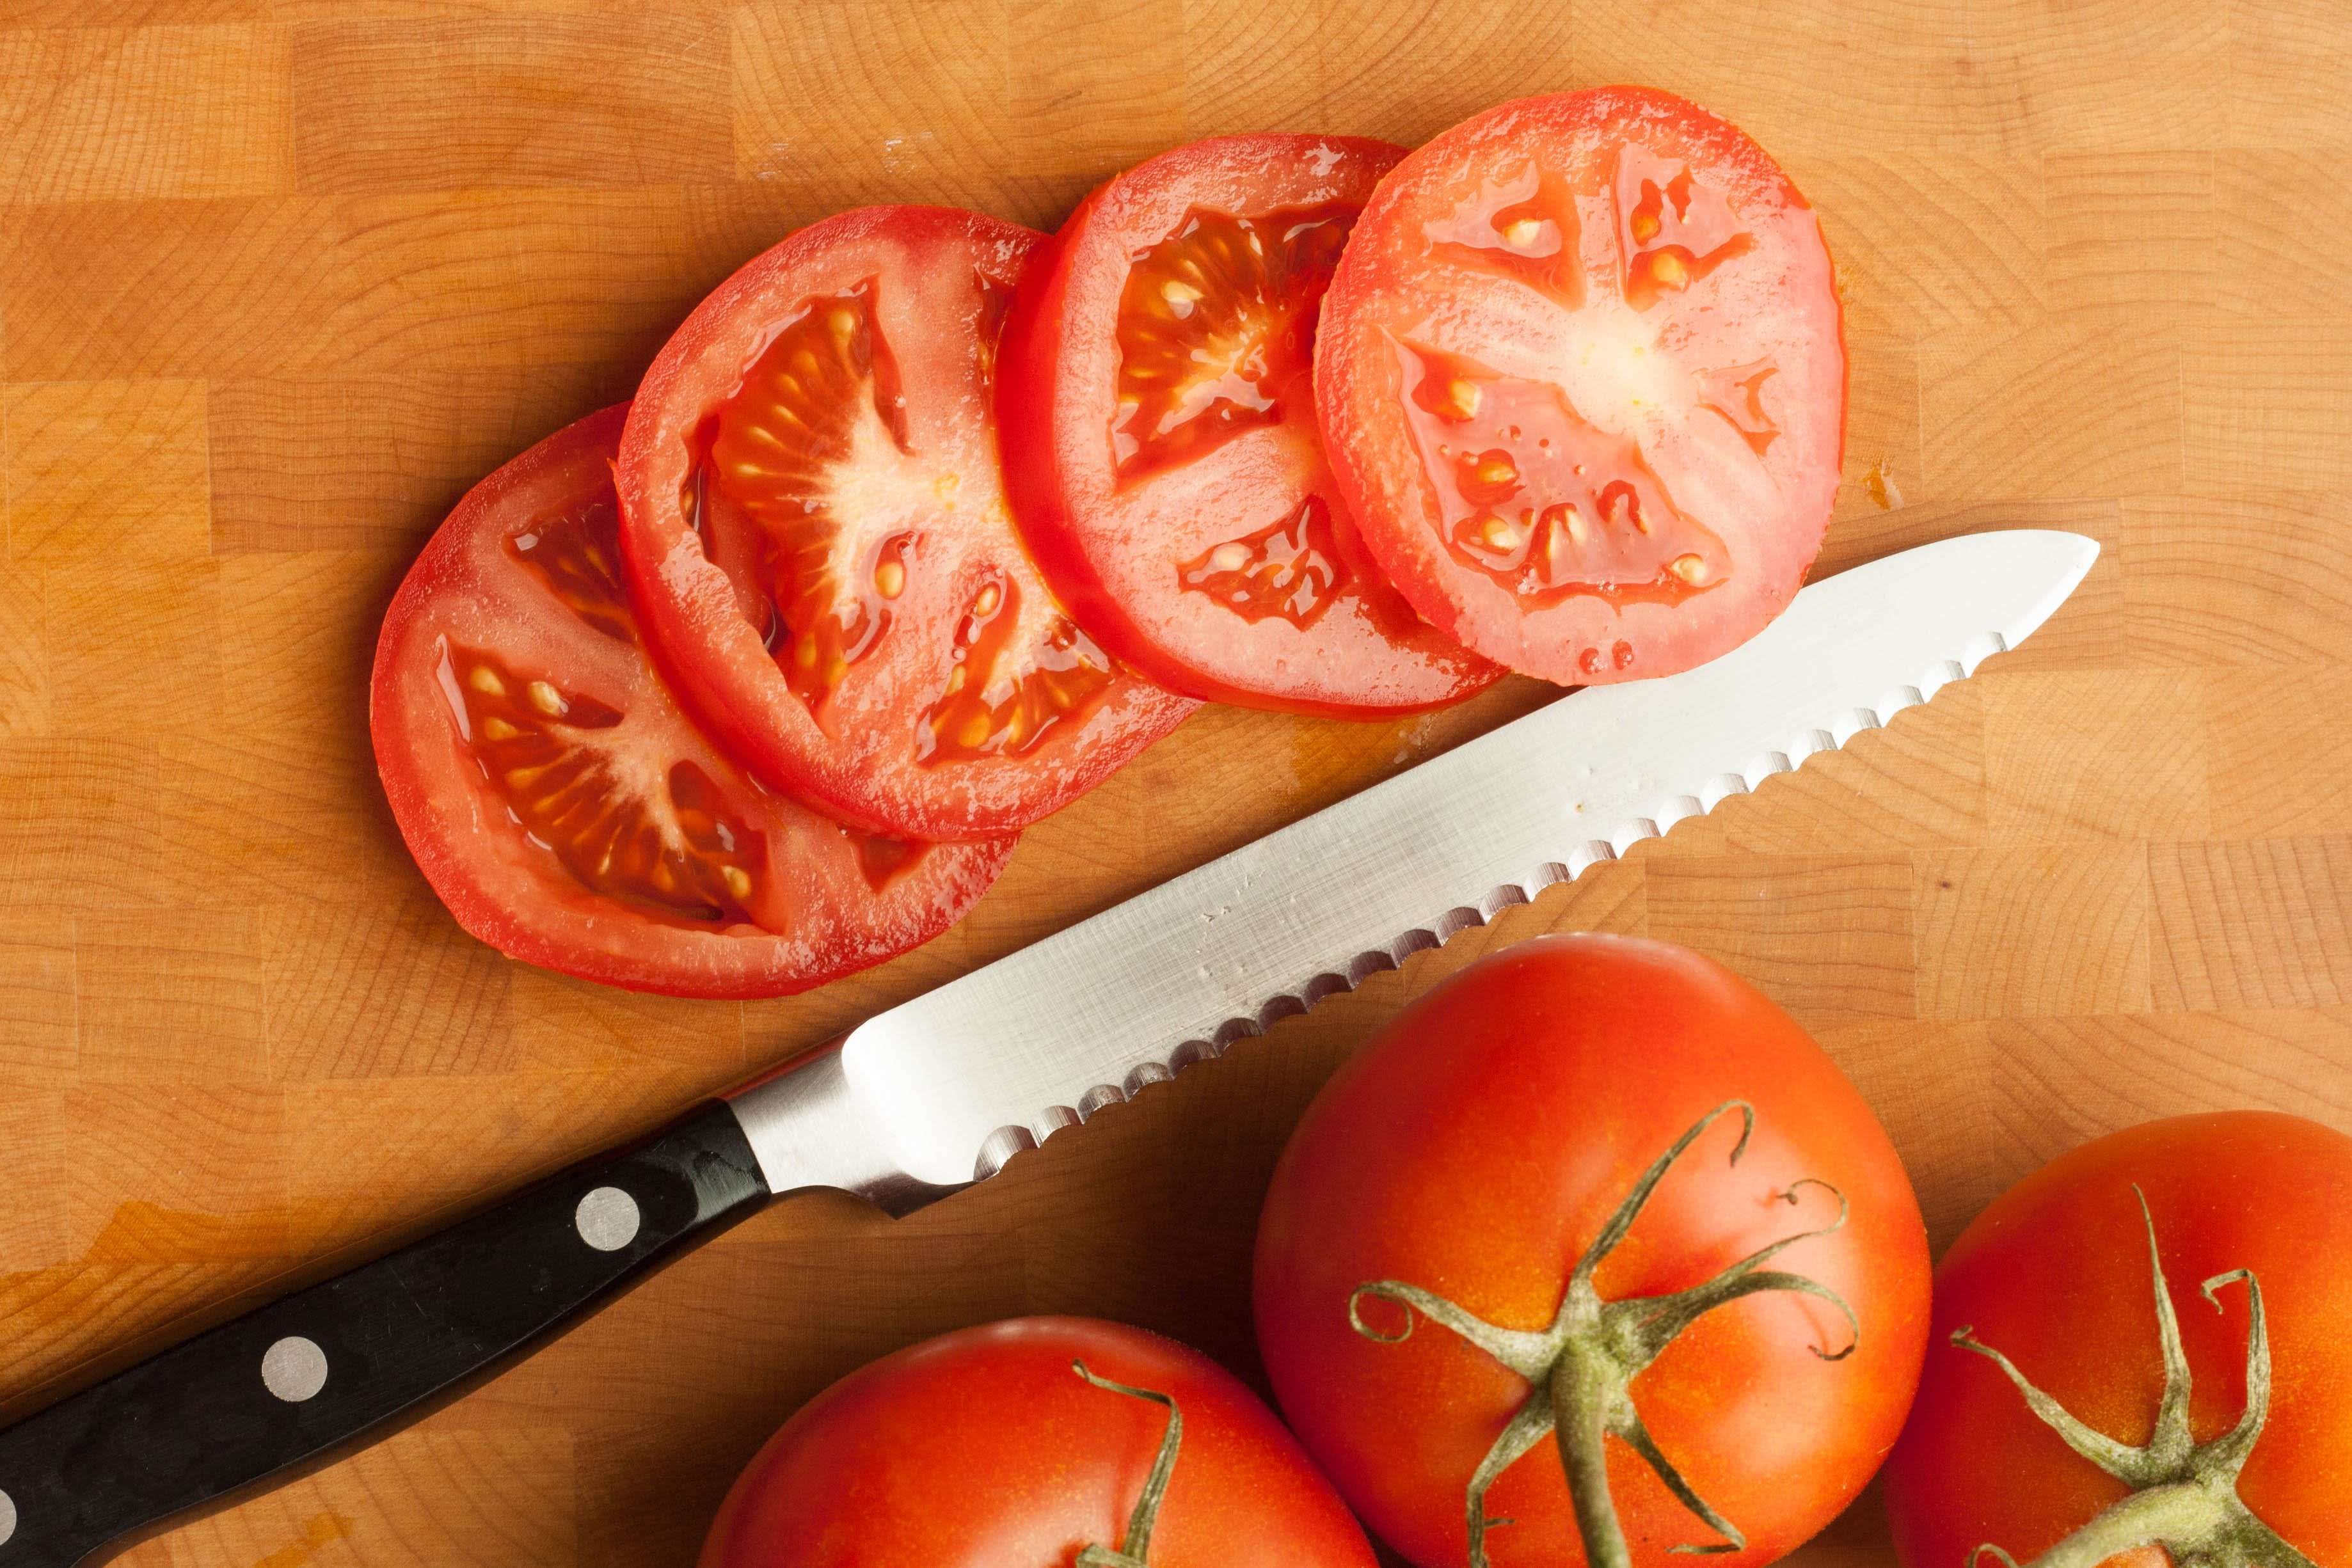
pixel 278 281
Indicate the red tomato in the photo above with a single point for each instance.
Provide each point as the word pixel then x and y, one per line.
pixel 814 527
pixel 990 1448
pixel 1161 444
pixel 2243 1207
pixel 563 807
pixel 1582 377
pixel 1446 1281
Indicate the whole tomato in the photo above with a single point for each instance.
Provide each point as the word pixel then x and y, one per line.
pixel 2175 1297
pixel 1038 1443
pixel 1592 1256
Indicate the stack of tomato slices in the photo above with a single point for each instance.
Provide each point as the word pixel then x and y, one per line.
pixel 563 806
pixel 923 523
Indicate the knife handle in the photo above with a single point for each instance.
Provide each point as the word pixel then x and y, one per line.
pixel 285 1383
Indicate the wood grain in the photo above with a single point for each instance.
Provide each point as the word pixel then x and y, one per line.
pixel 279 278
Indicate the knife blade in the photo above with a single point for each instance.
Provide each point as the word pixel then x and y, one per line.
pixel 951 1084
pixel 942 1090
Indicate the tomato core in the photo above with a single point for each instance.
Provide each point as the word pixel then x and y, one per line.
pixel 1581 512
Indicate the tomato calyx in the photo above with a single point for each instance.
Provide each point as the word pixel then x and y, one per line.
pixel 1580 1370
pixel 1137 1542
pixel 2185 1493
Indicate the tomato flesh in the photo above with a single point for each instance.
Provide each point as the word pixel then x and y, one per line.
pixel 1583 380
pixel 567 811
pixel 825 395
pixel 576 557
pixel 698 866
pixel 1162 454
pixel 873 637
pixel 1545 503
pixel 1672 230
pixel 1289 567
pixel 820 396
pixel 1524 226
pixel 1216 330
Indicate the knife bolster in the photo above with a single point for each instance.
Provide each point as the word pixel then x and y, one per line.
pixel 804 1124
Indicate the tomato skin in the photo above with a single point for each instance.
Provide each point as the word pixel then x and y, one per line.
pixel 509 892
pixel 2055 1275
pixel 1778 304
pixel 859 765
pixel 982 1448
pixel 1109 546
pixel 1476 1145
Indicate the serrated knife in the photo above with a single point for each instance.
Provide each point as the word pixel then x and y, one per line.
pixel 940 1092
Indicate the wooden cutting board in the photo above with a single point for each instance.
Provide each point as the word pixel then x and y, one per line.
pixel 279 278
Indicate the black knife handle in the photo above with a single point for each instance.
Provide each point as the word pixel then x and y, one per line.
pixel 285 1383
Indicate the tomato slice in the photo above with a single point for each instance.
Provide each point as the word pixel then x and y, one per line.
pixel 563 806
pixel 1161 444
pixel 815 528
pixel 1583 378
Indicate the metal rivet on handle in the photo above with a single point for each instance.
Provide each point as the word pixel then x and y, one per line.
pixel 606 1218
pixel 294 1369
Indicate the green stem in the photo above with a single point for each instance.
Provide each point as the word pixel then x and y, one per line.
pixel 2181 1513
pixel 2246 1538
pixel 1137 1541
pixel 1583 1392
pixel 2194 1522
